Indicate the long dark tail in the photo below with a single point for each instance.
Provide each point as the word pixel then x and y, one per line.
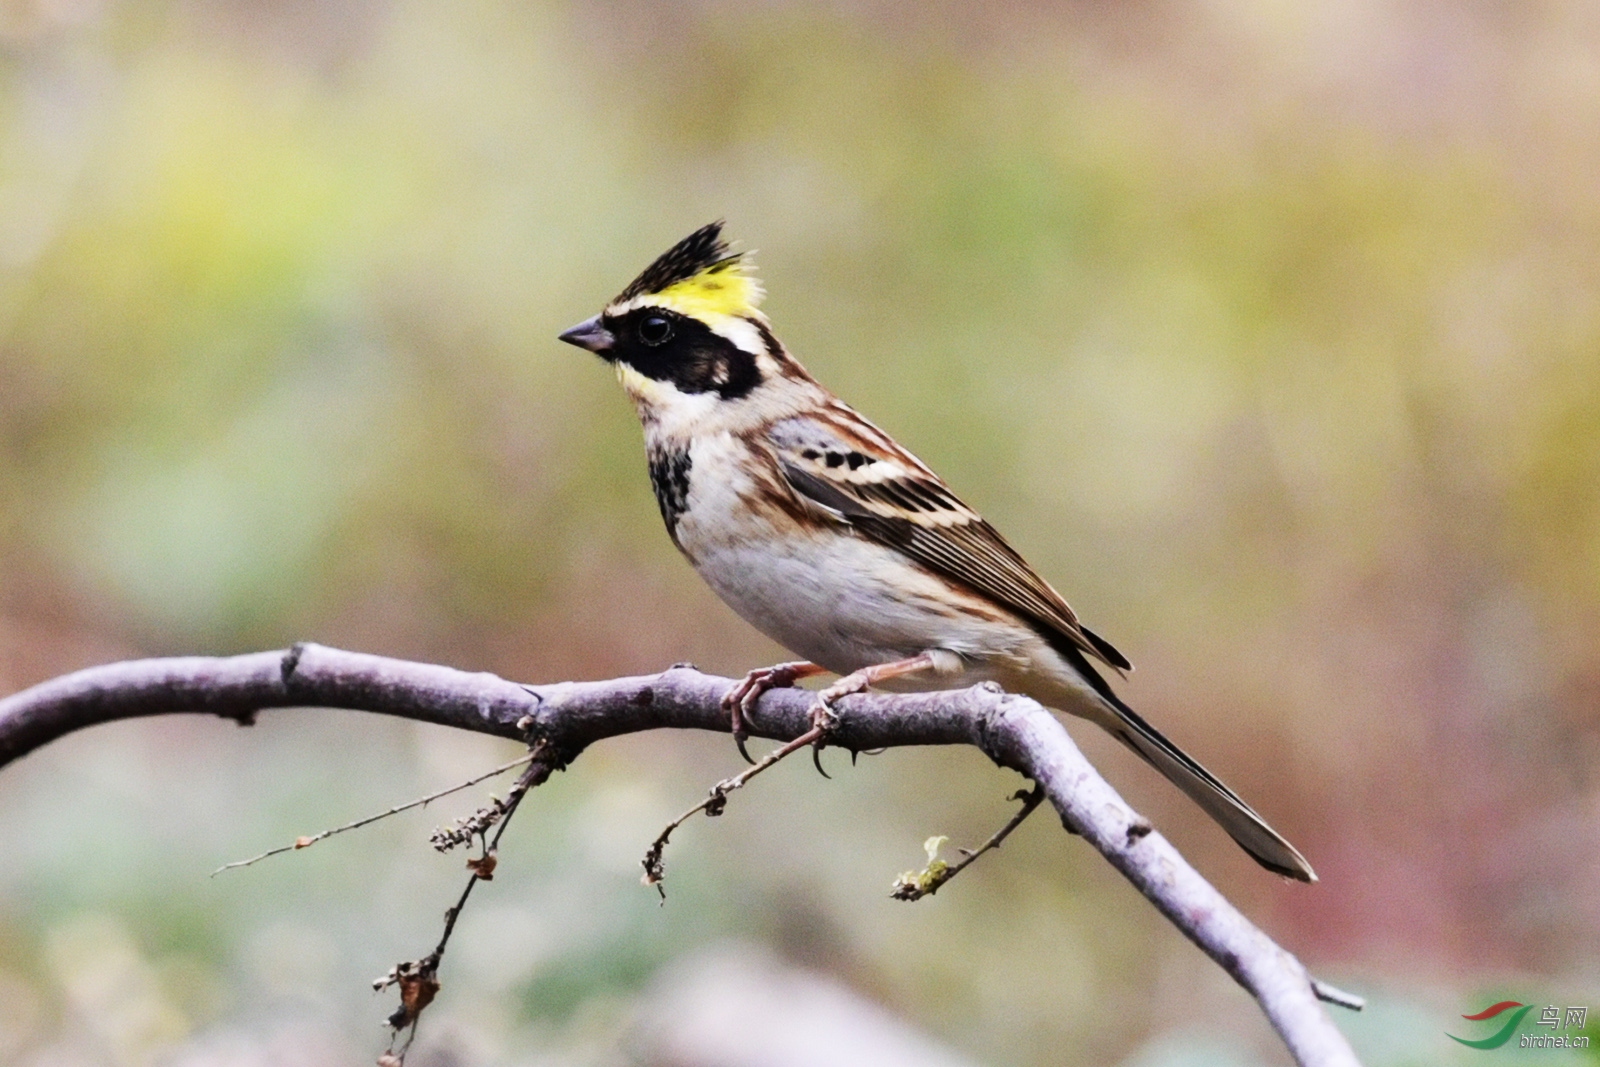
pixel 1265 845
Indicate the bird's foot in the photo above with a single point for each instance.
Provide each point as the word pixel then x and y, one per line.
pixel 824 719
pixel 740 701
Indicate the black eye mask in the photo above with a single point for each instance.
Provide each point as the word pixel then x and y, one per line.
pixel 675 348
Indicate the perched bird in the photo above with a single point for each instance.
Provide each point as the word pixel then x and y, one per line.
pixel 826 535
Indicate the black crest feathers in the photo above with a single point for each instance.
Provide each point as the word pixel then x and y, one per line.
pixel 702 250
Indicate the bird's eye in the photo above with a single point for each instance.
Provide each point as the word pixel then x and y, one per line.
pixel 655 330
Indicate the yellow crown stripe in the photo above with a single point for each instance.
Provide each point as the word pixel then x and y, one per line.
pixel 724 289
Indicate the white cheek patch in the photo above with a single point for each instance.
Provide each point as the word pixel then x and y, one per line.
pixel 672 409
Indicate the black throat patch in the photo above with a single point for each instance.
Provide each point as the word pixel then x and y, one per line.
pixel 669 477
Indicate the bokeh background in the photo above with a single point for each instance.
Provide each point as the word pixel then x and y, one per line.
pixel 1270 332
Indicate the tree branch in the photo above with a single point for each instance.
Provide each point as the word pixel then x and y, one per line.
pixel 1013 731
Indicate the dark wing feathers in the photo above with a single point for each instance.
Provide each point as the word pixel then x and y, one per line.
pixel 1106 650
pixel 894 499
pixel 838 462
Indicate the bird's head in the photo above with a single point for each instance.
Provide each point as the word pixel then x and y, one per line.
pixel 687 335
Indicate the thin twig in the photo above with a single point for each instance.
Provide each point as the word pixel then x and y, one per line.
pixel 1335 995
pixel 307 842
pixel 914 885
pixel 419 979
pixel 655 872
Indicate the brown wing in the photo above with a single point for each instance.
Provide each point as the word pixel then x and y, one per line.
pixel 843 464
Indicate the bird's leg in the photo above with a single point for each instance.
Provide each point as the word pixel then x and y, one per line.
pixel 822 716
pixel 741 699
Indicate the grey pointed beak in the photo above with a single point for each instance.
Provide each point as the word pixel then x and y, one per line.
pixel 591 335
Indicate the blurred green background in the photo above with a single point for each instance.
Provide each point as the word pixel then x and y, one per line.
pixel 1269 332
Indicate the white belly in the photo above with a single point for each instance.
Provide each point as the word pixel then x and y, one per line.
pixel 827 595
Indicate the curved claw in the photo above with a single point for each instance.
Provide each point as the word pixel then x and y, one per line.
pixel 822 720
pixel 735 711
pixel 740 701
pixel 733 702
